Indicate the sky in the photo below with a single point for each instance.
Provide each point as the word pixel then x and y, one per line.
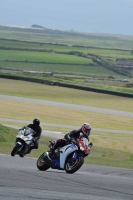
pixel 91 16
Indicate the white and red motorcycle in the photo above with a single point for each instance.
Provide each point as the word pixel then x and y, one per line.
pixel 69 158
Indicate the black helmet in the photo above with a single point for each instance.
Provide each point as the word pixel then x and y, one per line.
pixel 36 122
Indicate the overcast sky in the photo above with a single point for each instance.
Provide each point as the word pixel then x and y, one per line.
pixel 93 16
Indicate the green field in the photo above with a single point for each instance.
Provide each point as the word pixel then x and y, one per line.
pixel 76 58
pixel 41 57
pixel 82 70
pixel 58 48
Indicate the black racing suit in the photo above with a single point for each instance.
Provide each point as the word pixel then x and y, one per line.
pixel 37 136
pixel 73 135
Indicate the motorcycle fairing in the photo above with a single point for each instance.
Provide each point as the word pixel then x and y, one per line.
pixel 64 152
pixel 21 135
pixel 24 139
pixel 56 164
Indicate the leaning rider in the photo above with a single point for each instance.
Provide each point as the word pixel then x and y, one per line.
pixel 84 131
pixel 36 127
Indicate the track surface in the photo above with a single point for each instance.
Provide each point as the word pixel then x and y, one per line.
pixel 20 179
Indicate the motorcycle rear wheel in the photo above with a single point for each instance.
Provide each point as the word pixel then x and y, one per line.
pixel 15 149
pixel 73 166
pixel 41 164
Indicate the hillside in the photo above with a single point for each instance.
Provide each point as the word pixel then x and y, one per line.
pixel 69 37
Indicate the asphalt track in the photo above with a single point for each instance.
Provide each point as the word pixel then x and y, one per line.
pixel 20 179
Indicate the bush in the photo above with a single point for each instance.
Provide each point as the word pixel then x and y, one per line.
pixel 129 85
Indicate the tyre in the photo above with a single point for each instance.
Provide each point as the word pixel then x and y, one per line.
pixel 15 149
pixel 41 164
pixel 73 166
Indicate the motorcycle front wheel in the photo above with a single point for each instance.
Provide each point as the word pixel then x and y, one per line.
pixel 41 163
pixel 15 149
pixel 72 166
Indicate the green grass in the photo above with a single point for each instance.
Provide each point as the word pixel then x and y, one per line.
pixel 68 95
pixel 99 156
pixel 96 51
pixel 110 157
pixel 75 69
pixel 7 134
pixel 42 57
pixel 18 110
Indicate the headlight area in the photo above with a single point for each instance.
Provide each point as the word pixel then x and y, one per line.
pixel 23 138
pixel 81 148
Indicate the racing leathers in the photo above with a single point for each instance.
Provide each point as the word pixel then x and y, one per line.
pixel 37 136
pixel 72 136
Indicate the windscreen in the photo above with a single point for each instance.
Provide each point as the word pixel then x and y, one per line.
pixel 29 131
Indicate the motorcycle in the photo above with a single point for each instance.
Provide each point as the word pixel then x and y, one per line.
pixel 69 158
pixel 24 141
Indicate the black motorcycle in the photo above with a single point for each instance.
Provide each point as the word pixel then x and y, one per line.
pixel 24 141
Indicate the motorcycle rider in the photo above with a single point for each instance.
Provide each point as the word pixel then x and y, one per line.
pixel 83 131
pixel 36 127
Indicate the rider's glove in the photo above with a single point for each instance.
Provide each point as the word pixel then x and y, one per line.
pixel 67 137
pixel 73 141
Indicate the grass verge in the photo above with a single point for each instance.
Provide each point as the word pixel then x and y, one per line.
pixel 65 95
pixel 22 110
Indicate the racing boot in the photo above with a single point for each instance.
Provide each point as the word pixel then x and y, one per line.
pixel 54 147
